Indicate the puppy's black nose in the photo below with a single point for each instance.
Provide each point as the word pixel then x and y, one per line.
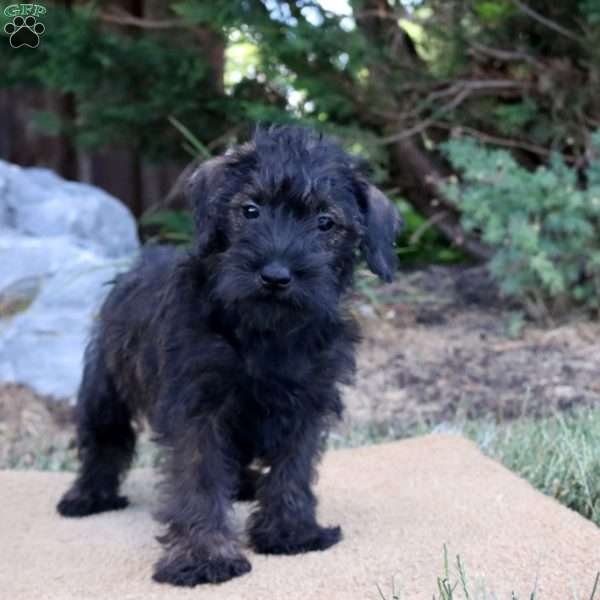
pixel 275 275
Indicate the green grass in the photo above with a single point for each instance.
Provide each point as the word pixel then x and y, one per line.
pixel 43 454
pixel 455 584
pixel 559 455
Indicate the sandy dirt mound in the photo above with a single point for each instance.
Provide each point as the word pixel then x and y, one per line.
pixel 35 432
pixel 397 503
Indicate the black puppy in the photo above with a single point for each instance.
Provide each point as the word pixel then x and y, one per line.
pixel 234 353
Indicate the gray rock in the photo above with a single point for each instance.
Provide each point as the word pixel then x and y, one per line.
pixel 61 244
pixel 38 203
pixel 24 256
pixel 43 346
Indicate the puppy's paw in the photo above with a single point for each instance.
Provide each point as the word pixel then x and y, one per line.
pixel 78 504
pixel 295 542
pixel 185 571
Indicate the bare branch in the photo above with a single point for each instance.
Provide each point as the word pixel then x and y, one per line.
pixel 462 88
pixel 495 84
pixel 505 55
pixel 499 141
pixel 427 225
pixel 380 14
pixel 546 22
pixel 122 17
pixel 454 103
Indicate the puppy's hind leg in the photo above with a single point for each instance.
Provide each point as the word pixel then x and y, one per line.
pixel 106 443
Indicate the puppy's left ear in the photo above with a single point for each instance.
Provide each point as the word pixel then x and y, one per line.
pixel 383 224
pixel 202 192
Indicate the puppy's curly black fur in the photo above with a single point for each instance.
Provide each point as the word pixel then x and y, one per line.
pixel 234 352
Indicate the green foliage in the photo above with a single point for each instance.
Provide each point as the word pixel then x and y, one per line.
pixel 481 64
pixel 124 88
pixel 558 455
pixel 543 225
pixel 591 9
pixel 493 11
pixel 515 324
pixel 512 117
pixel 454 585
pixel 192 144
pixel 170 226
pixel 420 242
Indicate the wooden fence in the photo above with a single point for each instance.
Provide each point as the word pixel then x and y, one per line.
pixel 120 171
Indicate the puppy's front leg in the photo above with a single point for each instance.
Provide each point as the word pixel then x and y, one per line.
pixel 285 521
pixel 200 544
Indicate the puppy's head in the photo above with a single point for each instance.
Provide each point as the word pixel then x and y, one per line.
pixel 285 215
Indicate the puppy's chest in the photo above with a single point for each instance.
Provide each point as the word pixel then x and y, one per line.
pixel 273 390
pixel 285 368
pixel 262 430
pixel 284 383
pixel 264 363
pixel 309 358
pixel 277 378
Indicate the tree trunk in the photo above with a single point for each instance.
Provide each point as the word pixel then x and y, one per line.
pixel 414 171
pixel 416 175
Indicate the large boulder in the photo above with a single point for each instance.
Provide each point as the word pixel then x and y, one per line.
pixel 61 244
pixel 38 203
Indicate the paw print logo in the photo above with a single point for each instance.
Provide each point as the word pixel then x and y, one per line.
pixel 24 32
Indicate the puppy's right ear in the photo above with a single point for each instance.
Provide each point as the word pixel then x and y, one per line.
pixel 202 191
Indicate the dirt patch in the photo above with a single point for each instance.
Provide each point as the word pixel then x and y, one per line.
pixel 436 345
pixel 35 431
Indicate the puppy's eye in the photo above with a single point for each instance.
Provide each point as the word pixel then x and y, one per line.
pixel 326 222
pixel 250 211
